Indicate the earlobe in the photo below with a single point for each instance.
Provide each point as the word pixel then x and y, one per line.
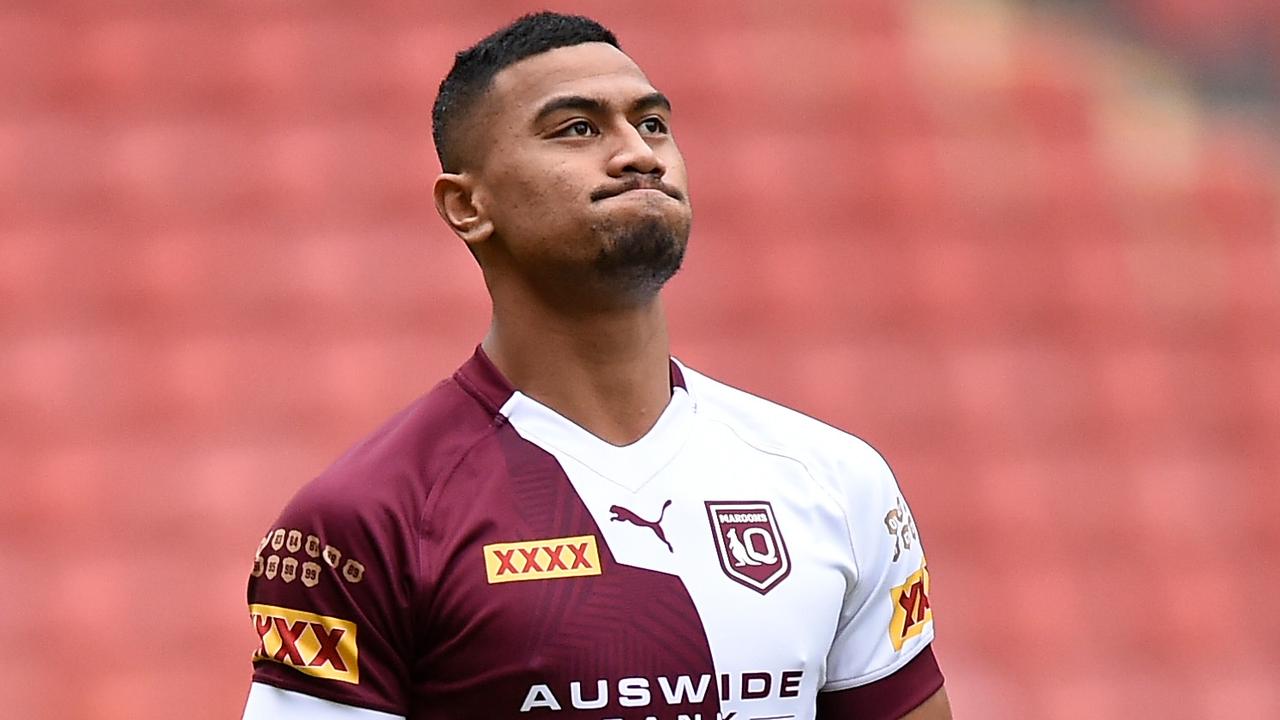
pixel 462 207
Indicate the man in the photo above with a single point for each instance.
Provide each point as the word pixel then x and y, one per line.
pixel 575 525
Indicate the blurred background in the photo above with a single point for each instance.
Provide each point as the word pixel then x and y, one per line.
pixel 1030 250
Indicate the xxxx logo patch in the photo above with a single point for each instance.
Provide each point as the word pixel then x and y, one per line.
pixel 542 559
pixel 911 611
pixel 317 645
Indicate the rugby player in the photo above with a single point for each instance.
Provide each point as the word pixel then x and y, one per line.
pixel 575 524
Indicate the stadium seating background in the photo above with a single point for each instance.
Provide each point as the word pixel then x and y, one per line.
pixel 1020 257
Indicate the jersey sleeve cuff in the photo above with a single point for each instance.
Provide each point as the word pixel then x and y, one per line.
pixel 282 678
pixel 268 702
pixel 888 698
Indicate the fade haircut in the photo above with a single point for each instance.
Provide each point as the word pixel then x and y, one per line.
pixel 474 69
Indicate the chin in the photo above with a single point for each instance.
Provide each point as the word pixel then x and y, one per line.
pixel 648 213
pixel 640 256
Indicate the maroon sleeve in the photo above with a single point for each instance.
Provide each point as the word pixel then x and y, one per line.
pixel 888 698
pixel 331 590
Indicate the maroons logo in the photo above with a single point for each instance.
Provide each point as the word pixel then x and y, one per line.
pixel 752 551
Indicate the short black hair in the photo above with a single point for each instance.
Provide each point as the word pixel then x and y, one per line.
pixel 474 69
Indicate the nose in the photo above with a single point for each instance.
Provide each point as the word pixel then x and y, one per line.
pixel 634 155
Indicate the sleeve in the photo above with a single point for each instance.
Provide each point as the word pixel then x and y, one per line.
pixel 271 703
pixel 330 596
pixel 880 664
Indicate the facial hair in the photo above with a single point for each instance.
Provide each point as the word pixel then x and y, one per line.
pixel 638 258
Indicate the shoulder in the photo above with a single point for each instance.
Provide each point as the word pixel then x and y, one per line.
pixel 829 453
pixel 346 554
pixel 389 473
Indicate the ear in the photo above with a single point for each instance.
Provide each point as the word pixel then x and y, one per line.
pixel 462 206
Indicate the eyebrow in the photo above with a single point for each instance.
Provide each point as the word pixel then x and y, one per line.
pixel 652 100
pixel 594 105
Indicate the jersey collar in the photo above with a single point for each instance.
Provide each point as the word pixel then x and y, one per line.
pixel 630 465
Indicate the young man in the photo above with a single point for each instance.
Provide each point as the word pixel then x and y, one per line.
pixel 575 525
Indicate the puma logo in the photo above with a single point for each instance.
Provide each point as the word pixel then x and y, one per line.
pixel 621 514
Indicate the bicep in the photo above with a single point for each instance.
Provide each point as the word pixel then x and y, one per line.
pixel 329 603
pixel 886 618
pixel 937 707
pixel 915 687
pixel 267 702
pixel 881 664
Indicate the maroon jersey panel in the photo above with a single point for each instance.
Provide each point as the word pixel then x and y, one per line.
pixel 888 698
pixel 445 568
pixel 335 584
pixel 533 644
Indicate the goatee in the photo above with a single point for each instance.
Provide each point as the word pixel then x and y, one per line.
pixel 640 257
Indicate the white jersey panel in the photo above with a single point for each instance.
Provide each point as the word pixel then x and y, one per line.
pixel 774 523
pixel 885 619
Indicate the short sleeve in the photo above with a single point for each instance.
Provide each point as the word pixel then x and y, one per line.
pixel 329 596
pixel 886 621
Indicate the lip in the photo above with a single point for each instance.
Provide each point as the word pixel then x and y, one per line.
pixel 641 191
pixel 659 188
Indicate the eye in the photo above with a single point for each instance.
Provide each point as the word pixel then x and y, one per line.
pixel 653 126
pixel 578 128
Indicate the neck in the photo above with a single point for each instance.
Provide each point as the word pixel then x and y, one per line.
pixel 608 372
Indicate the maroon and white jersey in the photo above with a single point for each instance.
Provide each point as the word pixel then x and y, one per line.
pixel 480 556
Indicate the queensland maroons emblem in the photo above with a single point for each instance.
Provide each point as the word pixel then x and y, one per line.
pixel 752 551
